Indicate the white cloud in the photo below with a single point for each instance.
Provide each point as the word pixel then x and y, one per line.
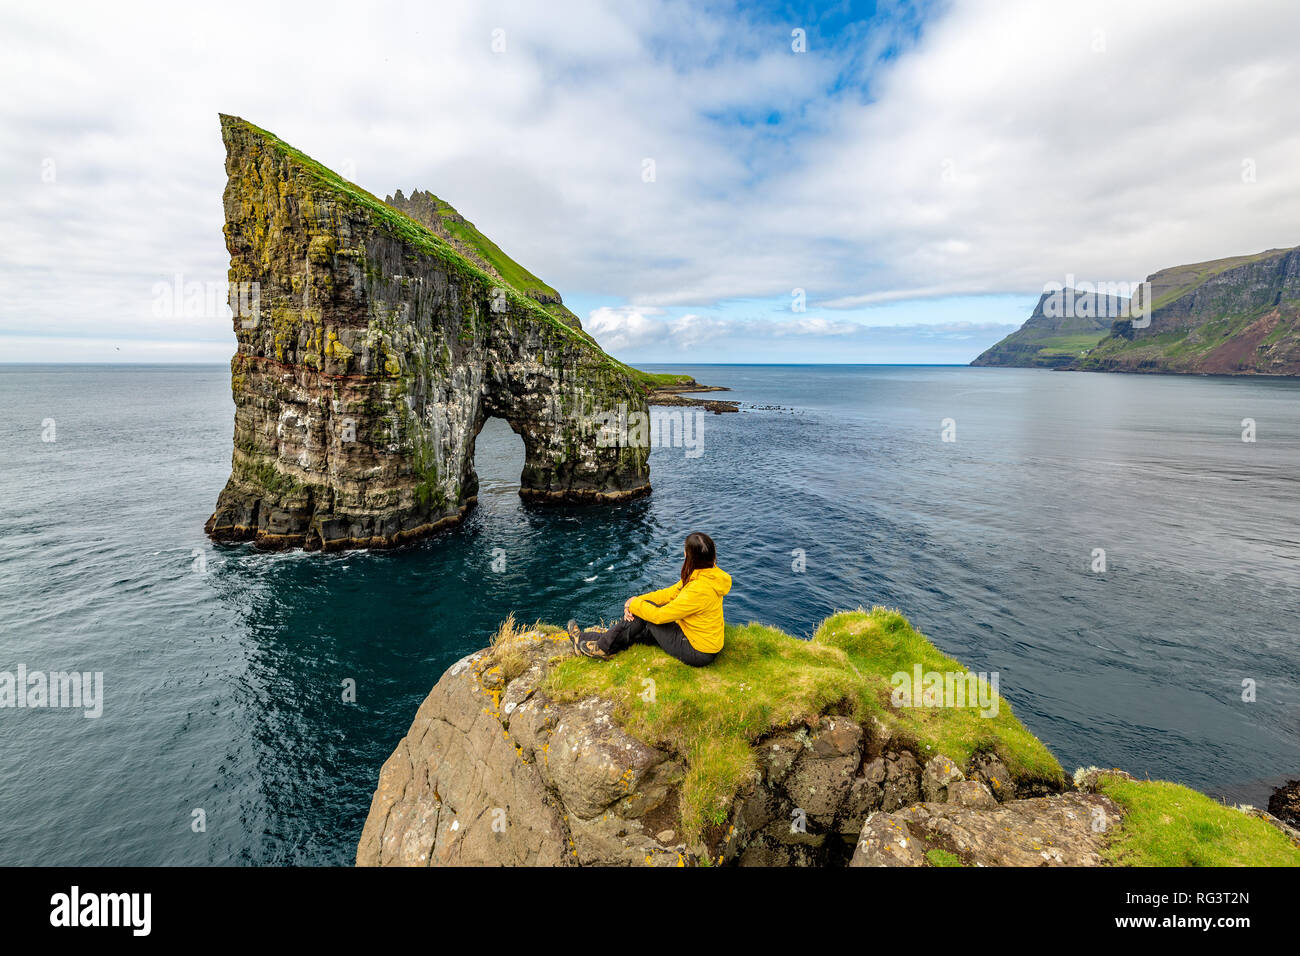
pixel 651 332
pixel 1012 145
pixel 619 328
pixel 627 327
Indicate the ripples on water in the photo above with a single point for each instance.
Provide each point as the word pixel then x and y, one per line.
pixel 223 667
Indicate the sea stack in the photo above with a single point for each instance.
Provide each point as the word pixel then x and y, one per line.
pixel 370 353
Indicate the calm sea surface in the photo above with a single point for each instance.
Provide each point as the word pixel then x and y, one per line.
pixel 223 667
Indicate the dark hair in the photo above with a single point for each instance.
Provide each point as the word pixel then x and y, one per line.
pixel 700 553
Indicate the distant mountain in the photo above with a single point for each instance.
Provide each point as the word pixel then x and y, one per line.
pixel 1234 316
pixel 438 216
pixel 1049 339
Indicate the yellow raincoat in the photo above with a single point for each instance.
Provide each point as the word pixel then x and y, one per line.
pixel 697 607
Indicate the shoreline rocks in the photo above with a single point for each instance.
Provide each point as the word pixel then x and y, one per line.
pixel 674 396
pixel 1284 803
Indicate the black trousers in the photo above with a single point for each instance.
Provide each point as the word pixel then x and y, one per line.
pixel 640 631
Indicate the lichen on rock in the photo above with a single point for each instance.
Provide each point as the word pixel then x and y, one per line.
pixel 503 766
pixel 369 356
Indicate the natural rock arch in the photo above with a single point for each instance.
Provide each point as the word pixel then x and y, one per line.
pixel 370 354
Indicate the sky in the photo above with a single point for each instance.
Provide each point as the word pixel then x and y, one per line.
pixel 703 182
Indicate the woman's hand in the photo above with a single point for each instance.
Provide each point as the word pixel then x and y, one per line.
pixel 627 610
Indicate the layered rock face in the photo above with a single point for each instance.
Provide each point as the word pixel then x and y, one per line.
pixel 495 772
pixel 1233 316
pixel 1229 316
pixel 1055 340
pixel 438 216
pixel 371 352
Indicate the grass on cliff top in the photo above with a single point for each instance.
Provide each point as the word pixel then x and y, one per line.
pixel 765 679
pixel 1166 824
pixel 405 228
pixel 506 267
pixel 1177 281
pixel 518 280
pixel 662 379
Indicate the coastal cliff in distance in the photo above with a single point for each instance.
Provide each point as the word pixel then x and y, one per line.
pixel 1049 340
pixel 370 353
pixel 1235 316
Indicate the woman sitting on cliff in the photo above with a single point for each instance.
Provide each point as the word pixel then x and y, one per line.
pixel 684 619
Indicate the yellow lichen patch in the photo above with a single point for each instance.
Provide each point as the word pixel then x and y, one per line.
pixel 336 350
pixel 320 251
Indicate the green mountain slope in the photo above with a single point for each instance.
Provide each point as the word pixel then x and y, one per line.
pixel 1053 340
pixel 438 216
pixel 441 218
pixel 1233 316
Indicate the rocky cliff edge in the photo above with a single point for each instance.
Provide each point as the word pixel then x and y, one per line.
pixel 523 754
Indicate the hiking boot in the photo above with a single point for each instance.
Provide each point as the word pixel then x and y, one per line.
pixel 592 649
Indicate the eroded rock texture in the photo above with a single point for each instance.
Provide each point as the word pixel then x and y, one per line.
pixel 493 771
pixel 370 354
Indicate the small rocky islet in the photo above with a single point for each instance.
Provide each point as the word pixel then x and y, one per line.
pixel 374 340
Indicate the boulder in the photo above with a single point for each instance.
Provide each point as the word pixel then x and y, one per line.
pixel 902 783
pixel 972 794
pixel 994 774
pixel 1285 803
pixel 865 796
pixel 886 841
pixel 939 774
pixel 1087 778
pixel 1069 829
pixel 590 762
pixel 823 774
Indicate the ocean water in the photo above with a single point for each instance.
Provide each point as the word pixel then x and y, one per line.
pixel 223 667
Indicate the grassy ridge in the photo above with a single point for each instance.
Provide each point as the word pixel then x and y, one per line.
pixel 1167 824
pixel 506 267
pixel 1175 282
pixel 765 680
pixel 409 231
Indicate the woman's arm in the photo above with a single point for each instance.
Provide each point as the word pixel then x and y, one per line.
pixel 687 602
pixel 662 596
